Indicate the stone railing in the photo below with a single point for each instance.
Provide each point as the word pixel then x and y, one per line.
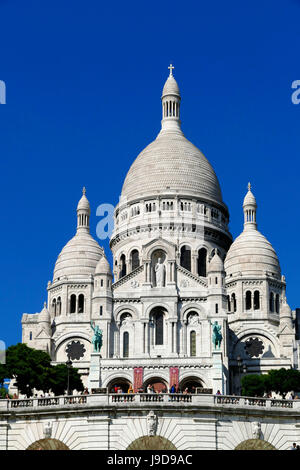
pixel 143 399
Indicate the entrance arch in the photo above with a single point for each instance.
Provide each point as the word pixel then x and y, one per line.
pixel 190 383
pixel 158 384
pixel 151 443
pixel 48 444
pixel 255 444
pixel 120 382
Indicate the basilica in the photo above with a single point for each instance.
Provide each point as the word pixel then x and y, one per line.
pixel 176 274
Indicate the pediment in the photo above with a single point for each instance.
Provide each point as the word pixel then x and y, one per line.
pixel 42 335
pixel 187 280
pixel 157 244
pixel 286 330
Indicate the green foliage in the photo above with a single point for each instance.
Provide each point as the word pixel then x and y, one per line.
pixel 59 377
pixel 3 392
pixel 280 381
pixel 253 385
pixel 31 369
pixel 3 374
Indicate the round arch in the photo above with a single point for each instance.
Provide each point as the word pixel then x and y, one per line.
pixel 121 382
pixel 123 309
pixel 48 444
pixel 158 383
pixel 155 305
pixel 255 444
pixel 187 309
pixel 169 250
pixel 190 382
pixel 256 332
pixel 151 443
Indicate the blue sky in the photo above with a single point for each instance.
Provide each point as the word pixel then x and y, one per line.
pixel 84 81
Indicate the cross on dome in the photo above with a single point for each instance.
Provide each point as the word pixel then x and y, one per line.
pixel 171 67
pixel 83 190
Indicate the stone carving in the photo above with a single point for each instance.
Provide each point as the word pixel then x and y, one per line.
pixel 254 347
pixel 151 423
pixel 48 430
pixel 126 319
pixel 134 283
pixel 256 430
pixel 97 338
pixel 75 350
pixel 193 319
pixel 160 273
pixel 184 283
pixel 216 335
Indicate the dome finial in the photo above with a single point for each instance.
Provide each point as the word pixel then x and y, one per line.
pixel 83 190
pixel 249 186
pixel 171 67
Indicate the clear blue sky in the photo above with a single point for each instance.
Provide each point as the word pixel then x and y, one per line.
pixel 84 81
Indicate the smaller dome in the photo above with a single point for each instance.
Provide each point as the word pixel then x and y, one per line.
pixel 171 87
pixel 103 266
pixel 83 204
pixel 285 310
pixel 216 264
pixel 249 199
pixel 44 316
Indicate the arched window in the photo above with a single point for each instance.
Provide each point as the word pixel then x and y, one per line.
pixel 277 303
pixel 73 303
pixel 135 261
pixel 185 257
pixel 233 300
pixel 30 335
pixel 193 343
pixel 126 344
pixel 54 307
pixel 81 303
pixel 202 256
pixel 271 302
pixel 248 300
pixel 101 310
pixel 256 300
pixel 123 266
pixel 228 303
pixel 58 306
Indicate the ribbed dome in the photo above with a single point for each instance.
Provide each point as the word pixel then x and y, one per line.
pixel 103 266
pixel 216 264
pixel 171 163
pixel 44 315
pixel 171 87
pixel 251 253
pixel 79 257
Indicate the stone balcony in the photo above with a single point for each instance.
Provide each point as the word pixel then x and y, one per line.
pixel 143 400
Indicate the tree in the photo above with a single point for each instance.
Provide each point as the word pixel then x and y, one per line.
pixel 58 379
pixel 29 367
pixel 253 385
pixel 282 381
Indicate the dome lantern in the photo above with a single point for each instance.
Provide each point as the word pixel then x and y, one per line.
pixel 249 207
pixel 83 213
pixel 171 105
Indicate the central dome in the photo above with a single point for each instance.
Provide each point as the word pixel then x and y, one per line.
pixel 171 164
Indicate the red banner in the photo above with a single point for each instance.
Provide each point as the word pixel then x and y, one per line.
pixel 174 376
pixel 138 378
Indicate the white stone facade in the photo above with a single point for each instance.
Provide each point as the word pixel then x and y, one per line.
pixel 175 272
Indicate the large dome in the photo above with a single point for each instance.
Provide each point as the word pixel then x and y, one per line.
pixel 172 164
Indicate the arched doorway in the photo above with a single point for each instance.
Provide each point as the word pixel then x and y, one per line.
pixel 151 443
pixel 48 444
pixel 159 385
pixel 118 382
pixel 191 383
pixel 255 444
